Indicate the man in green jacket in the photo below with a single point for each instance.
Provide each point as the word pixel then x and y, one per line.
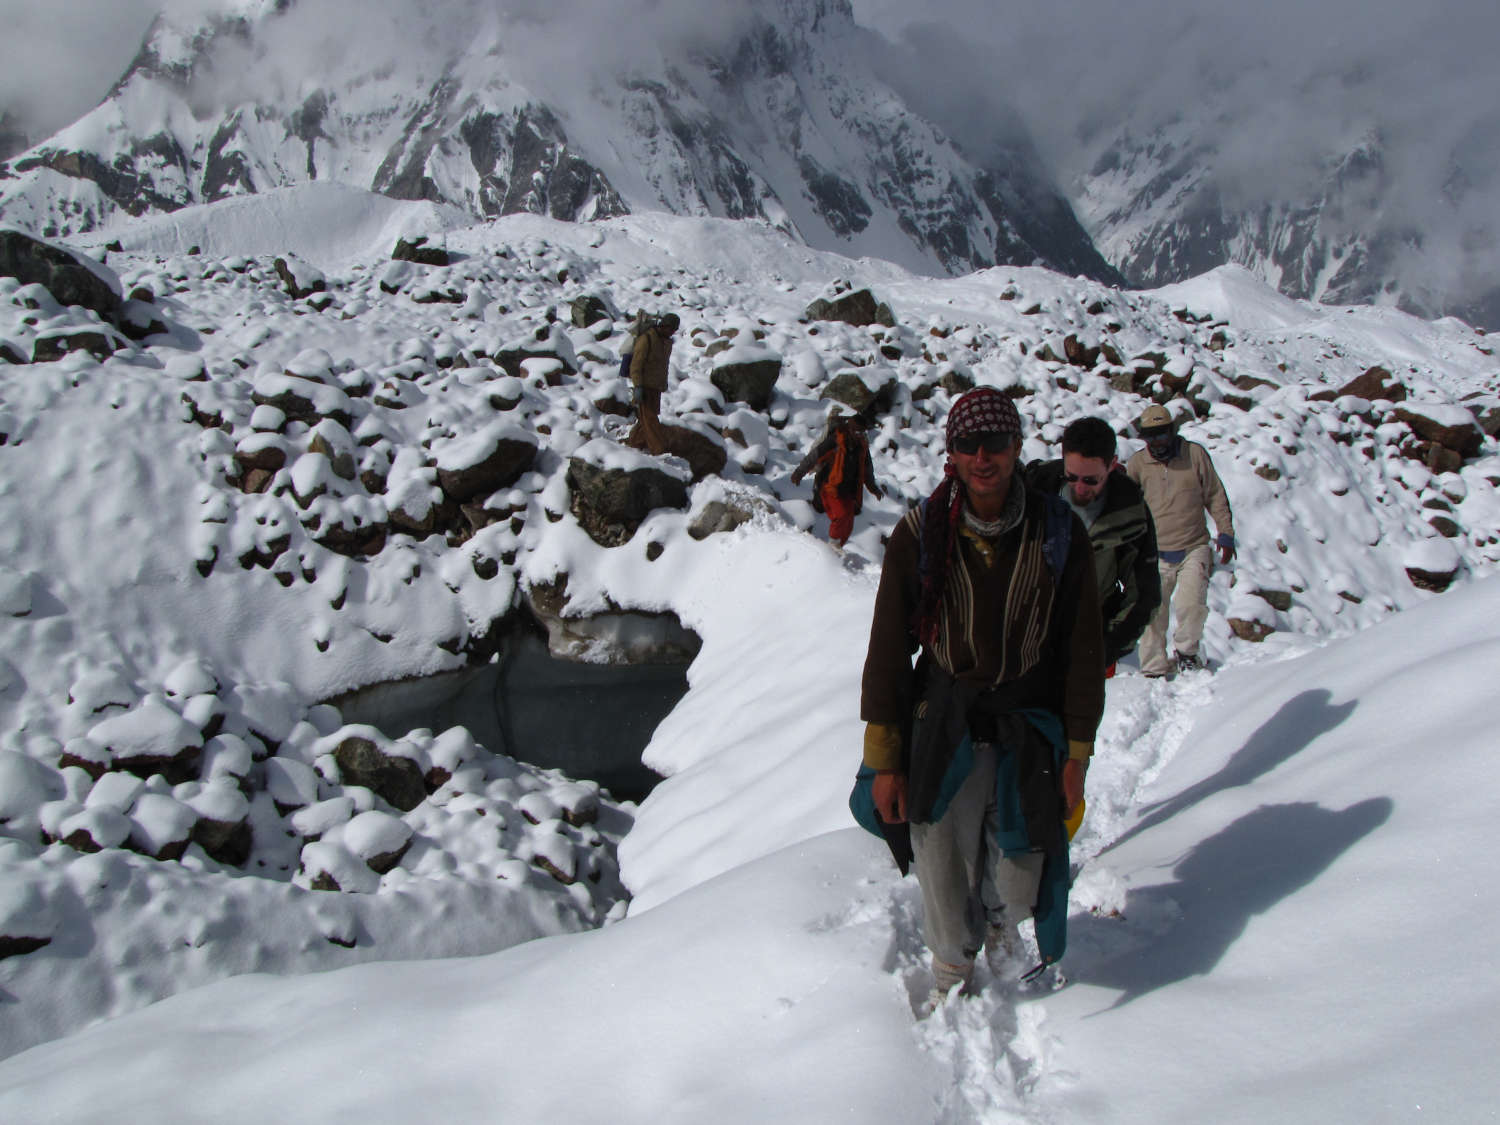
pixel 1089 477
pixel 1180 484
pixel 984 745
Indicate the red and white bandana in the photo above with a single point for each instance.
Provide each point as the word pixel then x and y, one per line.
pixel 983 410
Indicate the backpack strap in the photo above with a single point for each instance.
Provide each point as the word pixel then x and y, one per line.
pixel 1057 538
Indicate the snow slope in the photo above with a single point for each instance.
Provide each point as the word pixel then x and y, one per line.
pixel 759 924
pixel 1262 946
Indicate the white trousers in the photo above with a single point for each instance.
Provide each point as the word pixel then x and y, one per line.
pixel 967 882
pixel 1184 591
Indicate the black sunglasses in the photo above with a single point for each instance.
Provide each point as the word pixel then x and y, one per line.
pixel 1074 478
pixel 991 442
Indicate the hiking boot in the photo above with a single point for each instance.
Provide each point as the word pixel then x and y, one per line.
pixel 1188 662
pixel 1004 949
pixel 945 978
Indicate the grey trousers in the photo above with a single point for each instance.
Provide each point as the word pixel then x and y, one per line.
pixel 967 883
pixel 1184 591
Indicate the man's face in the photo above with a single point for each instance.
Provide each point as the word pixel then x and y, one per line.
pixel 1160 446
pixel 987 470
pixel 1086 477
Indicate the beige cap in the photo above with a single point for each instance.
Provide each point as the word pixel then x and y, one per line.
pixel 1154 419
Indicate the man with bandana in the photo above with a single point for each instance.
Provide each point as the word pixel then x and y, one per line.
pixel 1180 483
pixel 980 750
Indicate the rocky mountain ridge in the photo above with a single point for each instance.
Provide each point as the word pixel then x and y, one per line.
pixel 1158 206
pixel 784 120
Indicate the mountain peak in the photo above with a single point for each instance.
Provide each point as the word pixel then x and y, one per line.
pixel 777 112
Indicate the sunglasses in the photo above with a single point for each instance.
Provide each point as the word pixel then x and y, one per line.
pixel 1074 478
pixel 970 444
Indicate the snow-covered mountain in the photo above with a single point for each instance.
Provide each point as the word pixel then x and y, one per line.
pixel 1164 204
pixel 777 114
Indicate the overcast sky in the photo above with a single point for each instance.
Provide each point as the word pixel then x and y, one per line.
pixel 1300 77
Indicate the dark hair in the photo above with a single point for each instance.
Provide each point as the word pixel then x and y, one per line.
pixel 1090 437
pixel 669 323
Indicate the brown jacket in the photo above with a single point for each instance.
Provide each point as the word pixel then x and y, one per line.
pixel 649 360
pixel 1005 620
pixel 1178 491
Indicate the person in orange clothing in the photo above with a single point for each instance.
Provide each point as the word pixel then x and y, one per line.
pixel 842 471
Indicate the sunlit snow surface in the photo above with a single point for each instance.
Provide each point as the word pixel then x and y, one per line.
pixel 1279 913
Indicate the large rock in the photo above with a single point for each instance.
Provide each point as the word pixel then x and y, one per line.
pixel 585 311
pixel 494 458
pixel 751 383
pixel 397 779
pixel 854 391
pixel 1375 383
pixel 417 250
pixel 705 456
pixel 151 739
pixel 857 307
pixel 298 278
pixel 1452 427
pixel 71 278
pixel 611 503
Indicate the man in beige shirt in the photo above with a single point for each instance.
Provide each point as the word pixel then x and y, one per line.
pixel 1180 484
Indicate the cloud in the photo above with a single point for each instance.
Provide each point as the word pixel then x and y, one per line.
pixel 60 58
pixel 1281 87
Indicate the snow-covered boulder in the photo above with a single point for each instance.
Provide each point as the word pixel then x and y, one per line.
pixel 25 786
pixel 1432 564
pixel 151 739
pixel 71 278
pixel 15 593
pixel 378 838
pixel 161 826
pixel 28 920
pixel 613 489
pixel 484 462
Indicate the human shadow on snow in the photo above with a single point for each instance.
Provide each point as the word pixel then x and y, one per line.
pixel 1298 723
pixel 1220 885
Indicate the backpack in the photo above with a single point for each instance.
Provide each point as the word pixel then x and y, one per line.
pixel 643 322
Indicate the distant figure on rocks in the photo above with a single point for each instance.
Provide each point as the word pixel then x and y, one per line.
pixel 650 357
pixel 1090 478
pixel 974 757
pixel 1180 483
pixel 842 470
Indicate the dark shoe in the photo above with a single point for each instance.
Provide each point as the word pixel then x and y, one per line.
pixel 1189 662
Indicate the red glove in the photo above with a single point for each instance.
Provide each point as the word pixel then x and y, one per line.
pixel 889 791
pixel 1073 772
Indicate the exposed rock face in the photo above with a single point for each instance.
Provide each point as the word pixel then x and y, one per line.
pixel 1154 204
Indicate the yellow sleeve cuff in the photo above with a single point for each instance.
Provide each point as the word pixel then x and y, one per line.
pixel 1076 749
pixel 883 746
